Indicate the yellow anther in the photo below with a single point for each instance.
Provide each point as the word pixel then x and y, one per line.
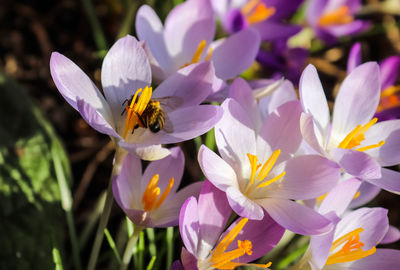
pixel 348 248
pixel 357 195
pixel 255 11
pixel 150 196
pixel 253 164
pixel 266 168
pixel 135 109
pixel 269 182
pixel 197 55
pixel 338 16
pixel 356 136
pixel 210 51
pixel 389 98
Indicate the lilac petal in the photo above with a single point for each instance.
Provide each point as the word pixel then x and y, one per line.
pixel 382 259
pixel 319 178
pixel 186 123
pixel 242 205
pixel 243 94
pixel 313 99
pixel 189 261
pixel 374 221
pixel 367 193
pixel 281 129
pixel 357 100
pixel 389 181
pixel 283 94
pixel 216 169
pixel 315 9
pixel 157 71
pixel 390 69
pixel 168 213
pixel 389 131
pixel 354 59
pixel 125 186
pixel 74 84
pixel 186 26
pixel 281 31
pixel 125 69
pixel 149 153
pixel 191 85
pixel 140 218
pixel 392 235
pixel 356 163
pixel 150 29
pixel 225 57
pixel 320 246
pixel 235 137
pixel 307 127
pixel 339 198
pixel 296 217
pixel 176 265
pixel 263 234
pixel 189 225
pixel 283 8
pixel 214 212
pixel 95 119
pixel 348 29
pixel 169 167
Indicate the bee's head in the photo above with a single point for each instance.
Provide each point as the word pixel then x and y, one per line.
pixel 155 127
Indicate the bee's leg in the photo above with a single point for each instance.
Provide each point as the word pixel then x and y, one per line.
pixel 123 103
pixel 141 123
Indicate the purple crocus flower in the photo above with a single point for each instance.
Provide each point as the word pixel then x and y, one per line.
pixel 266 16
pixel 352 244
pixel 151 199
pixel 125 74
pixel 354 141
pixel 207 246
pixel 389 102
pixel 257 170
pixel 187 37
pixel 332 19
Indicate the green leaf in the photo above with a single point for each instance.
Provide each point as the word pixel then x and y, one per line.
pixel 31 218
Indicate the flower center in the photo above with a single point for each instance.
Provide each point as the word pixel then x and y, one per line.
pixel 389 98
pixel 198 53
pixel 338 16
pixel 259 179
pixel 224 260
pixel 255 11
pixel 348 248
pixel 356 136
pixel 135 109
pixel 151 197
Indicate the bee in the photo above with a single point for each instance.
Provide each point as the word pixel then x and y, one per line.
pixel 153 117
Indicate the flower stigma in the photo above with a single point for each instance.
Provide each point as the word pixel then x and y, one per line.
pixel 222 259
pixel 338 16
pixel 348 248
pixel 135 109
pixel 356 136
pixel 389 98
pixel 151 198
pixel 256 11
pixel 198 53
pixel 263 172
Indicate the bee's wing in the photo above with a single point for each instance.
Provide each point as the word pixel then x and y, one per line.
pixel 170 103
pixel 168 126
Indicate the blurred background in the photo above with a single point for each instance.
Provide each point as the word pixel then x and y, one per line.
pixel 54 168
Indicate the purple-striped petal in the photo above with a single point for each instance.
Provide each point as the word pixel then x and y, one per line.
pixel 189 226
pixel 392 235
pixel 390 69
pixel 307 127
pixel 389 181
pixel 242 205
pixel 354 59
pixel 388 259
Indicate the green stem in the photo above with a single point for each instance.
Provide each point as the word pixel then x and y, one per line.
pixel 128 20
pixel 170 246
pixel 119 156
pixel 130 247
pixel 98 34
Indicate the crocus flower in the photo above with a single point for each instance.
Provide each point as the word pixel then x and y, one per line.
pixel 352 245
pixel 257 171
pixel 151 199
pixel 125 74
pixel 187 38
pixel 354 140
pixel 266 16
pixel 332 19
pixel 207 246
pixel 389 102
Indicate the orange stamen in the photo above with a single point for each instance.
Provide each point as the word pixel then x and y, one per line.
pixel 150 199
pixel 389 98
pixel 356 136
pixel 255 11
pixel 198 53
pixel 338 16
pixel 348 248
